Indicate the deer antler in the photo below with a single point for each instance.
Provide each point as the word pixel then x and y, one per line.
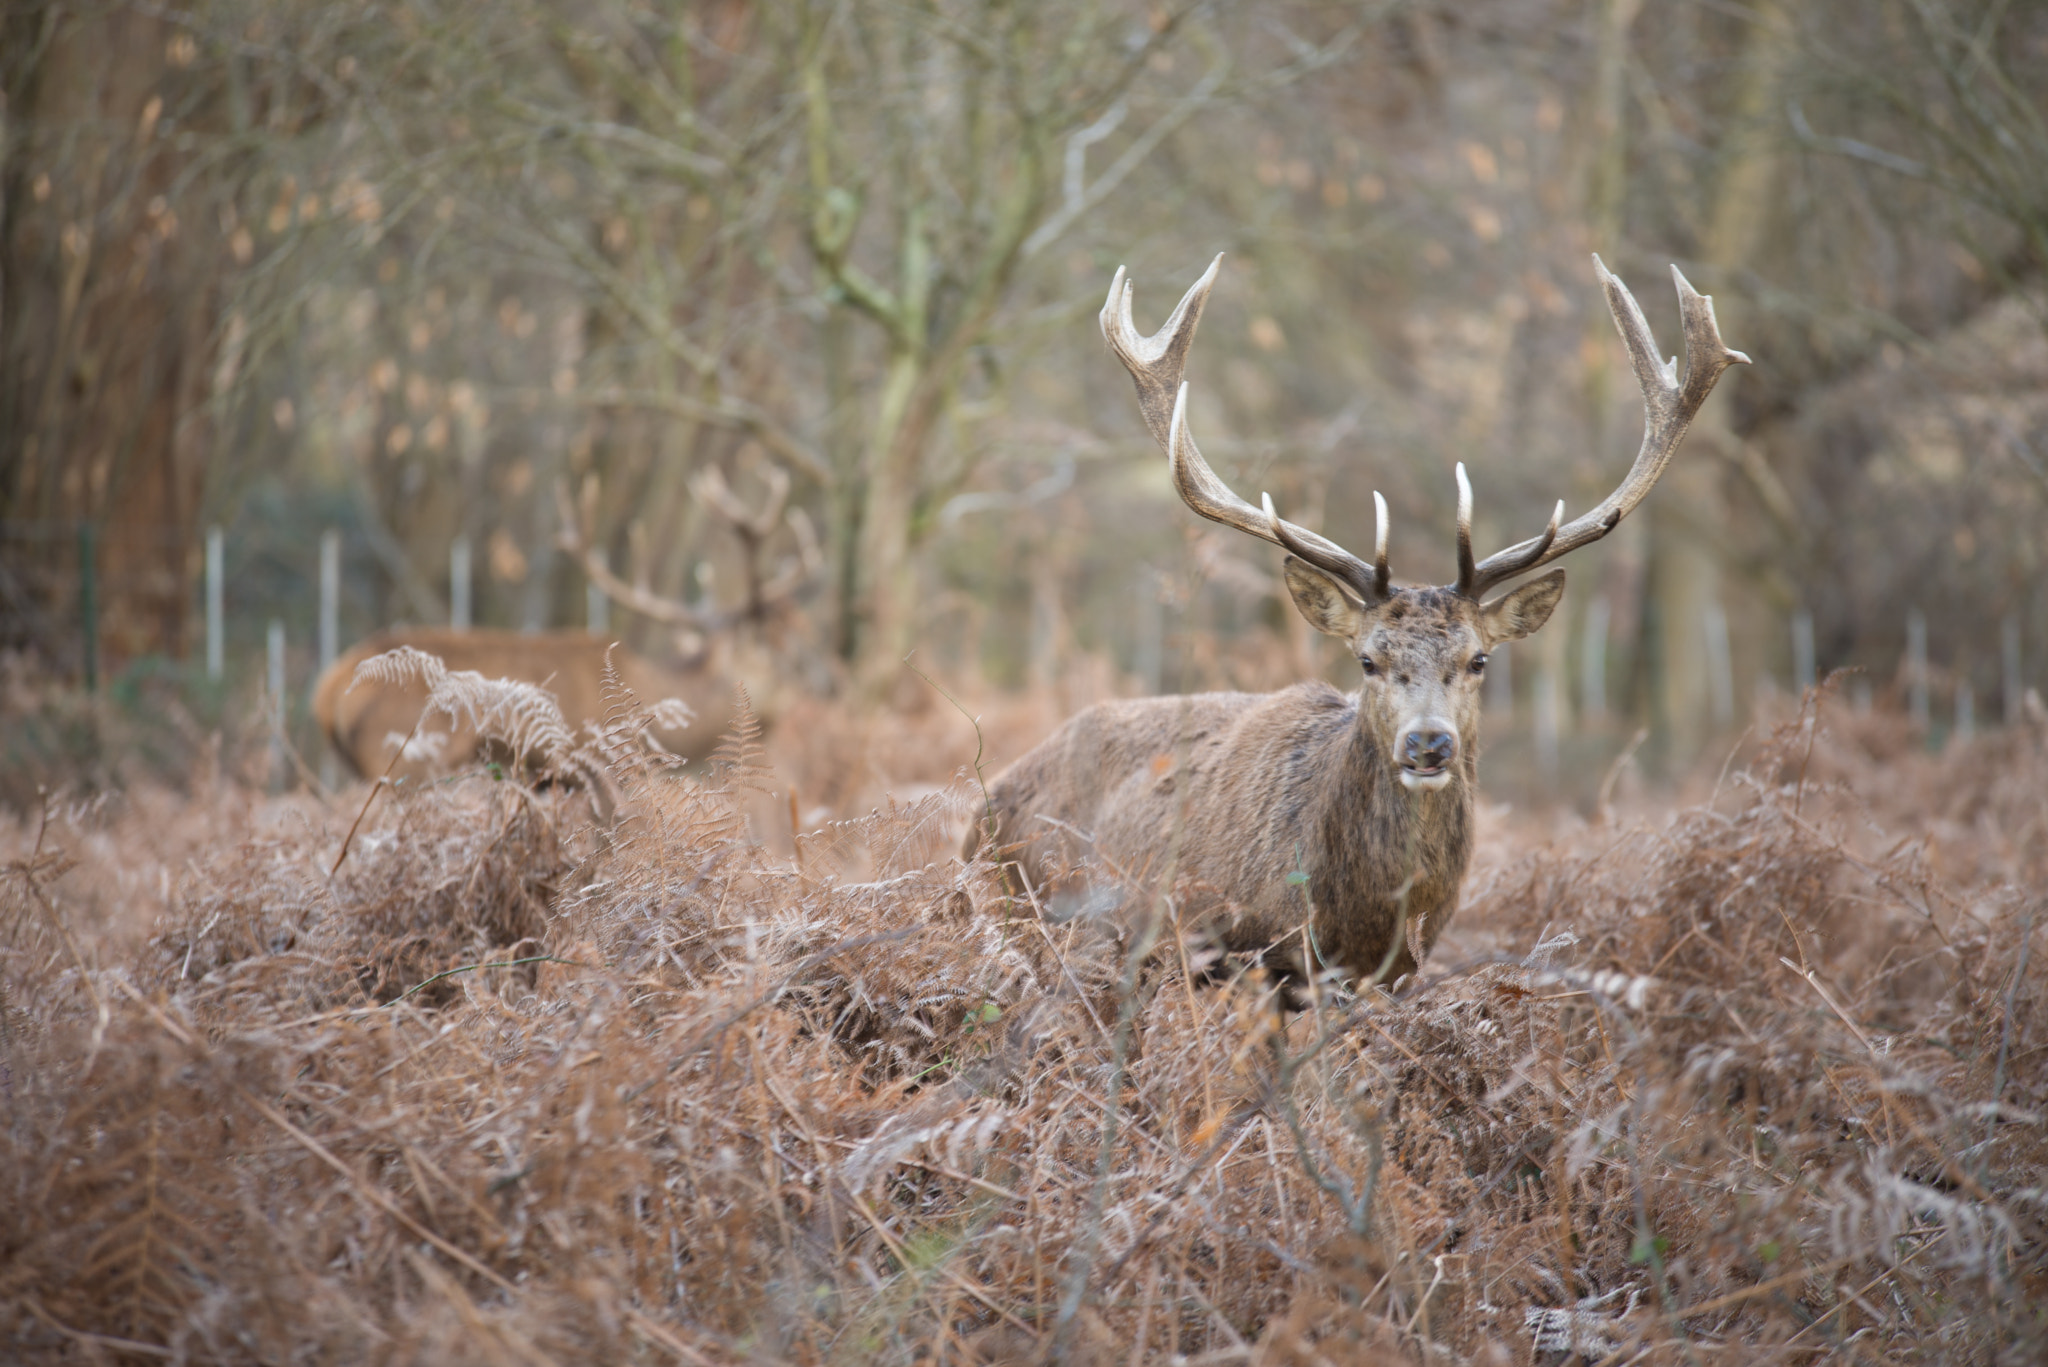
pixel 754 528
pixel 1669 406
pixel 1156 364
pixel 710 487
pixel 574 539
pixel 798 572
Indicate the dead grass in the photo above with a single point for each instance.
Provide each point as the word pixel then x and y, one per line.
pixel 1758 1080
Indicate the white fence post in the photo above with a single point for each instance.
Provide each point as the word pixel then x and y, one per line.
pixel 1804 670
pixel 216 594
pixel 1720 668
pixel 1593 659
pixel 1916 667
pixel 330 597
pixel 597 608
pixel 458 583
pixel 2013 684
pixel 274 679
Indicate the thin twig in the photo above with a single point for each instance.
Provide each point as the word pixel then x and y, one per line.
pixel 980 748
pixel 1749 1293
pixel 1814 981
pixel 1602 811
pixel 471 968
pixel 372 1194
pixel 659 1334
pixel 2005 1028
pixel 91 1340
pixel 383 780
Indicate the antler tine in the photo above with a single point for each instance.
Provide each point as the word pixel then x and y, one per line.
pixel 1380 575
pixel 1465 567
pixel 574 539
pixel 1344 567
pixel 1669 406
pixel 710 487
pixel 1474 580
pixel 1156 364
pixel 798 573
pixel 1209 496
pixel 1505 565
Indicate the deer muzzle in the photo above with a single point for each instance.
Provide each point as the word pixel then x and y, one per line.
pixel 1428 748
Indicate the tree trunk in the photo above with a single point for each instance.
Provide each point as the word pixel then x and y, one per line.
pixel 1689 515
pixel 110 297
pixel 894 478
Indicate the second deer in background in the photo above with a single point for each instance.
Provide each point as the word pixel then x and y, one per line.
pixel 1329 831
pixel 368 722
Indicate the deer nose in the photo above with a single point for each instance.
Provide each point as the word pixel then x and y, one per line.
pixel 1426 751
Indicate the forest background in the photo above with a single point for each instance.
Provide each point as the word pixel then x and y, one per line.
pixel 398 270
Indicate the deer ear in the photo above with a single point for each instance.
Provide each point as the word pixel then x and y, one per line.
pixel 1328 608
pixel 1514 615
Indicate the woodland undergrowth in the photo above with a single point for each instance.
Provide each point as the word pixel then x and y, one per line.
pixel 586 1071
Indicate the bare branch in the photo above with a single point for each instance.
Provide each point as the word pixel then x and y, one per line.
pixel 710 487
pixel 1850 147
pixel 725 411
pixel 1077 206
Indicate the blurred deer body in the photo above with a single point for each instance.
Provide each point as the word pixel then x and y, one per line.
pixel 370 722
pixel 1334 828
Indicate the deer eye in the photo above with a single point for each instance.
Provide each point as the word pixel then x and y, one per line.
pixel 1370 668
pixel 1478 665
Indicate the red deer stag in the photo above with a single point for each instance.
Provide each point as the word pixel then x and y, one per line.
pixel 1341 822
pixel 367 721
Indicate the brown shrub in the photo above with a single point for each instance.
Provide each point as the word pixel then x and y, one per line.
pixel 1758 1081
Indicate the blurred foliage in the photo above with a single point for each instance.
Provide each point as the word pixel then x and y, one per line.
pixel 401 268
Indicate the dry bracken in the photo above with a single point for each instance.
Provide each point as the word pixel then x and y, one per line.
pixel 1760 1080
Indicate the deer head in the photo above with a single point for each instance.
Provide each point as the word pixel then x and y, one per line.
pixel 767 593
pixel 1422 649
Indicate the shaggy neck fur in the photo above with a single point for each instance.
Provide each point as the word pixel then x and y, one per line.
pixel 1386 857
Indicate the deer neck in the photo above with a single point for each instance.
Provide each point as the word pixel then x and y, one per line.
pixel 1382 848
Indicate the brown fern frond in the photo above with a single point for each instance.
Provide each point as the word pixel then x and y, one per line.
pixel 624 742
pixel 741 760
pixel 401 665
pixel 524 718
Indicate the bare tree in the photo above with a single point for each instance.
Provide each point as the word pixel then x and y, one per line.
pixel 110 268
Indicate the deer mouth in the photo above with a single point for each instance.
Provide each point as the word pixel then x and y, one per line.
pixel 1425 779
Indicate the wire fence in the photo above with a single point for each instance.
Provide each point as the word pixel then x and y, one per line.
pixel 66 588
pixel 274 604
